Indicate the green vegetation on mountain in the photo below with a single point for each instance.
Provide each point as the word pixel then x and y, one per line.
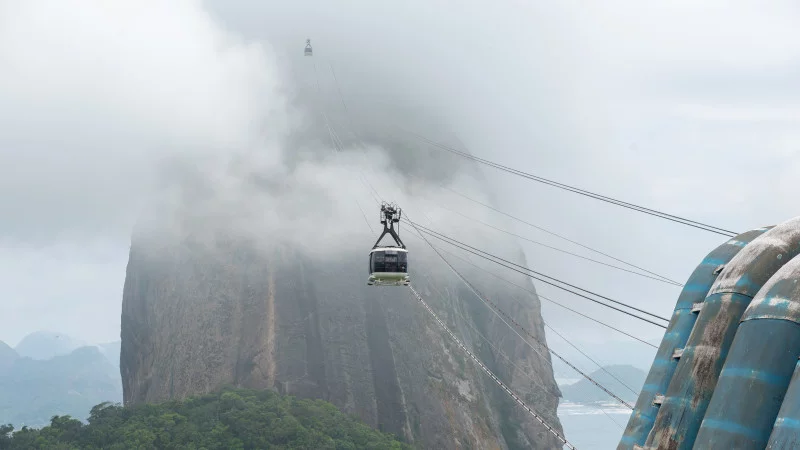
pixel 230 419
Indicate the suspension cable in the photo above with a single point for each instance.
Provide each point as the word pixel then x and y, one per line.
pixel 552 233
pixel 659 278
pixel 544 297
pixel 497 309
pixel 347 114
pixel 489 372
pixel 566 187
pixel 482 254
pixel 500 313
pixel 546 325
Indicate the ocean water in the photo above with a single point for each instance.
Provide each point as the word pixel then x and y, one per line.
pixel 593 426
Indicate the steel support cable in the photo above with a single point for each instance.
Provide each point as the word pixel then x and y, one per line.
pixel 361 174
pixel 539 382
pixel 463 245
pixel 495 306
pixel 533 337
pixel 592 360
pixel 557 235
pixel 560 287
pixel 488 372
pixel 659 278
pixel 546 298
pixel 337 148
pixel 584 192
pixel 337 142
pixel 548 326
pixel 498 350
pixel 518 325
pixel 347 114
pixel 503 316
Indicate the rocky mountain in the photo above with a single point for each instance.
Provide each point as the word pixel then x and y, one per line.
pixel 35 390
pixel 7 356
pixel 256 277
pixel 626 382
pixel 44 345
pixel 111 351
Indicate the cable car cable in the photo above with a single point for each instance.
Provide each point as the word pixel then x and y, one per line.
pixel 347 114
pixel 563 306
pixel 544 297
pixel 514 396
pixel 488 341
pixel 371 187
pixel 552 329
pixel 590 194
pixel 565 289
pixel 446 239
pixel 558 235
pixel 462 245
pixel 518 325
pixel 661 279
pixel 501 314
pixel 511 361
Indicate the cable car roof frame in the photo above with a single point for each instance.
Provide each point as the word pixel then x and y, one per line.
pixel 390 215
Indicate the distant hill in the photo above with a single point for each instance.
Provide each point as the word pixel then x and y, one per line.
pixel 584 391
pixel 7 356
pixel 608 353
pixel 35 390
pixel 111 352
pixel 43 345
pixel 228 419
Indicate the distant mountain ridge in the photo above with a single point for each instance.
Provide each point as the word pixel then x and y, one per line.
pixel 584 391
pixel 43 345
pixel 7 355
pixel 72 381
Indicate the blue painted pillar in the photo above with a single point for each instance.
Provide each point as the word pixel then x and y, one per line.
pixel 681 323
pixel 689 392
pixel 786 429
pixel 758 369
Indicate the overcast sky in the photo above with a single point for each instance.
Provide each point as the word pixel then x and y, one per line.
pixel 688 107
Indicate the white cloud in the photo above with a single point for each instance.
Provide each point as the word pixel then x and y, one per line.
pixel 93 96
pixel 688 107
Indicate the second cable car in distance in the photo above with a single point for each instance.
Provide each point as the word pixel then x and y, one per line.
pixel 388 264
pixel 308 51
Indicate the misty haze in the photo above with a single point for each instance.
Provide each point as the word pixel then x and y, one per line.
pixel 189 194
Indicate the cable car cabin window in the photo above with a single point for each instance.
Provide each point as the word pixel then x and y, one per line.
pixel 402 261
pixel 388 261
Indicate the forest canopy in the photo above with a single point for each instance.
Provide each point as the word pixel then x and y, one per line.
pixel 229 419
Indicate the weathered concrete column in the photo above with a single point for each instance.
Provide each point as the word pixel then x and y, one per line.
pixel 689 392
pixel 683 319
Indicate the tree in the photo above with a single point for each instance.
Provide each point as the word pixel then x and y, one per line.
pixel 230 419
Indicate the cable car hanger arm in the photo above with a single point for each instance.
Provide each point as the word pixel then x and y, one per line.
pixel 390 215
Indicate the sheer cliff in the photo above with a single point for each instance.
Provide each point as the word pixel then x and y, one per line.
pixel 207 305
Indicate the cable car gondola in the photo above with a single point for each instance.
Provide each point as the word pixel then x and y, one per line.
pixel 388 265
pixel 308 50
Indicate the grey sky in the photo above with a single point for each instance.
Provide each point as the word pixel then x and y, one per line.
pixel 688 107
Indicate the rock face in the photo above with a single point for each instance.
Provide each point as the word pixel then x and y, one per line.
pixel 197 316
pixel 192 322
